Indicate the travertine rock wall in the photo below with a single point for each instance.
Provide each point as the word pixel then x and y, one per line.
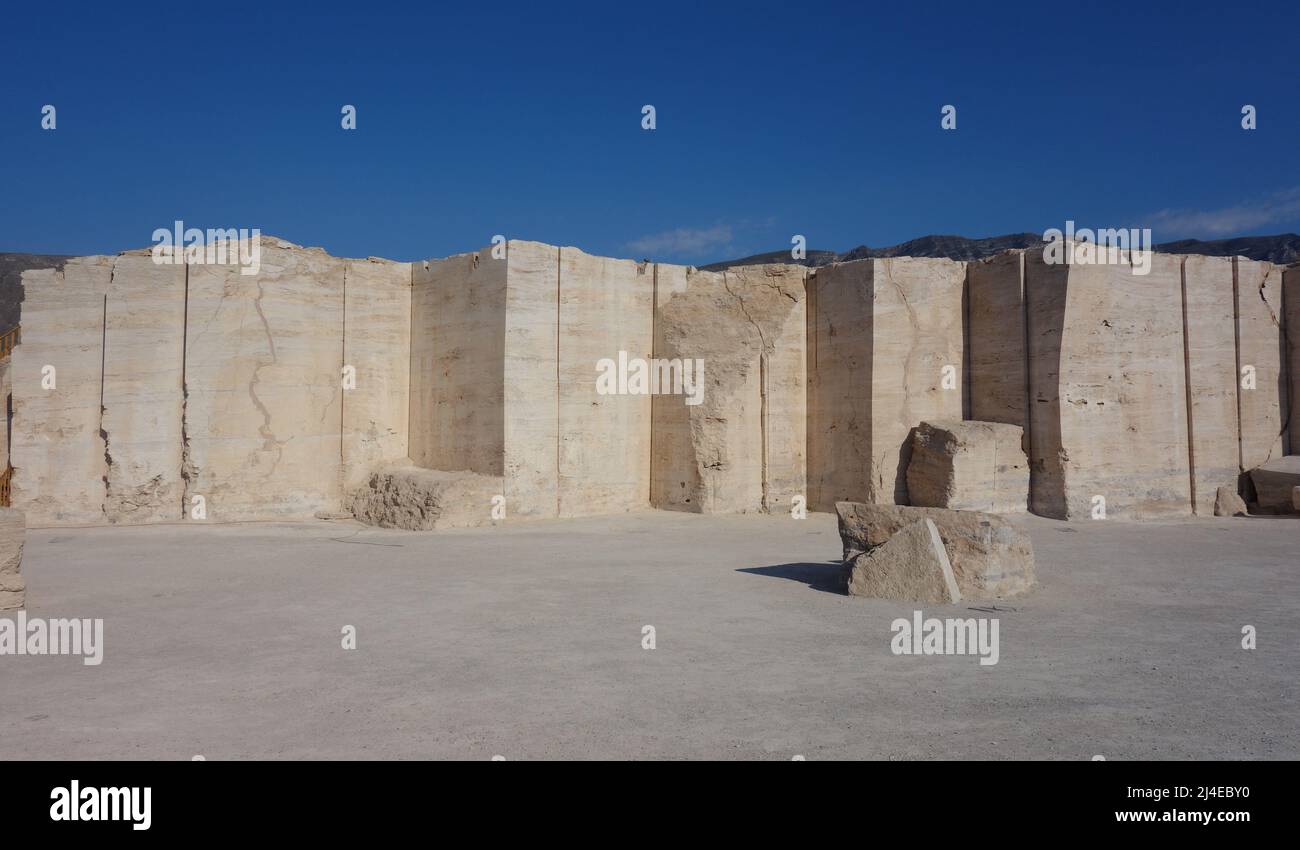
pixel 605 307
pixel 886 347
pixel 1108 389
pixel 742 447
pixel 1261 344
pixel 376 335
pixel 177 381
pixel 278 395
pixel 1209 317
pixel 1291 324
pixel 457 327
pixel 143 390
pixel 57 450
pixel 263 378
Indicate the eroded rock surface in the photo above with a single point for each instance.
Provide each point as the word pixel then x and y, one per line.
pixel 13 533
pixel 990 556
pixel 1228 503
pixel 417 499
pixel 911 566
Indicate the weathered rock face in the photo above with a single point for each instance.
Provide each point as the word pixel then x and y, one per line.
pixel 885 344
pixel 990 556
pixel 1274 482
pixel 1108 389
pixel 1295 499
pixel 263 379
pixel 1210 316
pixel 741 448
pixel 972 466
pixel 57 450
pixel 1228 503
pixel 1262 351
pixel 911 566
pixel 416 499
pixel 13 533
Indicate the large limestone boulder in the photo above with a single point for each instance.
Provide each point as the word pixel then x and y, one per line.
pixel 416 499
pixel 974 466
pixel 1274 482
pixel 1228 503
pixel 912 566
pixel 12 536
pixel 990 556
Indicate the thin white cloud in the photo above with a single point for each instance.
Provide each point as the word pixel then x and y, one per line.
pixel 1277 208
pixel 682 241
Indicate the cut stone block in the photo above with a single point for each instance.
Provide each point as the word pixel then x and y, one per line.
pixel 997 339
pixel 13 533
pixel 1274 482
pixel 991 557
pixel 416 499
pixel 975 466
pixel 1228 503
pixel 912 566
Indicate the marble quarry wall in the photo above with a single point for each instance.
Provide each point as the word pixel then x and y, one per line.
pixel 568 384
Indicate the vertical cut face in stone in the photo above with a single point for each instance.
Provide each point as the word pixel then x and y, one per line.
pixel 888 339
pixel 1262 347
pixel 264 358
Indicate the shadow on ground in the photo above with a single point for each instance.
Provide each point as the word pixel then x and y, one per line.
pixel 827 576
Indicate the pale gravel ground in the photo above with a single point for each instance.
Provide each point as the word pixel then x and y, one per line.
pixel 525 641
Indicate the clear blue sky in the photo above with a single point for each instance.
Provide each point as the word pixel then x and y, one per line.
pixel 525 120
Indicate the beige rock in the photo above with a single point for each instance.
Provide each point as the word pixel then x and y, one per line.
pixel 1210 315
pixel 1291 301
pixel 997 339
pixel 263 374
pixel 56 450
pixel 1108 389
pixel 143 391
pixel 1274 482
pixel 1228 503
pixel 911 566
pixel 991 557
pixel 376 336
pixel 1295 499
pixel 968 466
pixel 606 312
pixel 13 534
pixel 416 499
pixel 741 448
pixel 1259 332
pixel 457 389
pixel 883 336
pixel 531 414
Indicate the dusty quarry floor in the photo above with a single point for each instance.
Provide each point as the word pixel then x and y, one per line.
pixel 525 642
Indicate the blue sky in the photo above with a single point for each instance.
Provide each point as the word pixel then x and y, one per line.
pixel 525 120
